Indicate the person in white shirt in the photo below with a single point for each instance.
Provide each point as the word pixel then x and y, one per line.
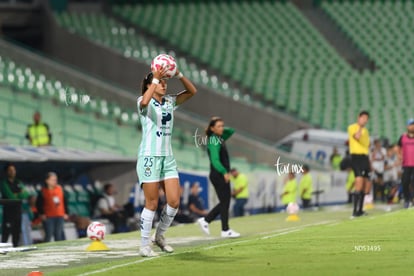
pixel 109 209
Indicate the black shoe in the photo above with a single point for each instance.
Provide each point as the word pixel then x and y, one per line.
pixel 362 213
pixel 355 215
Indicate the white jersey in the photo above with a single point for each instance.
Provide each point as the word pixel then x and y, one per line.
pixel 157 121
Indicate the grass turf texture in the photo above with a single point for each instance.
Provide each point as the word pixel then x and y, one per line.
pixel 321 243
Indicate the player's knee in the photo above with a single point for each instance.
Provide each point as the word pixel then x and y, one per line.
pixel 174 203
pixel 151 204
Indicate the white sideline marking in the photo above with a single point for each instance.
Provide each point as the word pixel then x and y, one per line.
pixel 278 233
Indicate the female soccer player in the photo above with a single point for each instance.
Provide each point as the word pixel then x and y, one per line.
pixel 156 165
pixel 219 175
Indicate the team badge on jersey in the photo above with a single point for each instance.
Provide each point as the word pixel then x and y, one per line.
pixel 147 172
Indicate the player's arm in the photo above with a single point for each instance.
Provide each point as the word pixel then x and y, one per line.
pixel 190 89
pixel 157 76
pixel 227 133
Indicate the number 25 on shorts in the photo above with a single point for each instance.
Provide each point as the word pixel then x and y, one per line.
pixel 148 162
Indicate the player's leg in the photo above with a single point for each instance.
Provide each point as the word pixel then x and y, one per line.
pixel 172 190
pixel 151 192
pixel 148 170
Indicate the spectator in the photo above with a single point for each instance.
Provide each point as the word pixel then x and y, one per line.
pixel 377 157
pixel 12 188
pixel 196 204
pixel 51 206
pixel 335 159
pixel 406 151
pixel 306 187
pixel 183 215
pixel 289 190
pixel 240 191
pixel 107 208
pixel 392 164
pixel 38 133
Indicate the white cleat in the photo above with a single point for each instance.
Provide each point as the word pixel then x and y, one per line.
pixel 160 242
pixel 203 226
pixel 229 234
pixel 147 251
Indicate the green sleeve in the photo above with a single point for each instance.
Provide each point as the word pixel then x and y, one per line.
pixel 24 194
pixel 6 192
pixel 227 133
pixel 214 149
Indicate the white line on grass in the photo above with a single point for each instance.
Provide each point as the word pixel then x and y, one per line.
pixel 278 233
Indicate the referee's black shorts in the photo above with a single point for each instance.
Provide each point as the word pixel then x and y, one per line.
pixel 360 165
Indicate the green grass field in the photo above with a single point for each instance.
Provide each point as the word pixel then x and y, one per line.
pixel 321 243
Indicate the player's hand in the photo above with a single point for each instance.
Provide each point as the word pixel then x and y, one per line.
pixel 160 74
pixel 65 217
pixel 227 177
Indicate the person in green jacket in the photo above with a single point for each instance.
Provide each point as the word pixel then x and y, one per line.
pixel 217 134
pixel 12 188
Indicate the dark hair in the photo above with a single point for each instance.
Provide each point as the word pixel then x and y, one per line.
pixel 107 186
pixel 306 168
pixel 7 166
pixel 363 112
pixel 212 123
pixel 145 82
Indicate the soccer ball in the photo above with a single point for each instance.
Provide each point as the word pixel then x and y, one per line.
pixel 292 208
pixel 166 61
pixel 96 231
